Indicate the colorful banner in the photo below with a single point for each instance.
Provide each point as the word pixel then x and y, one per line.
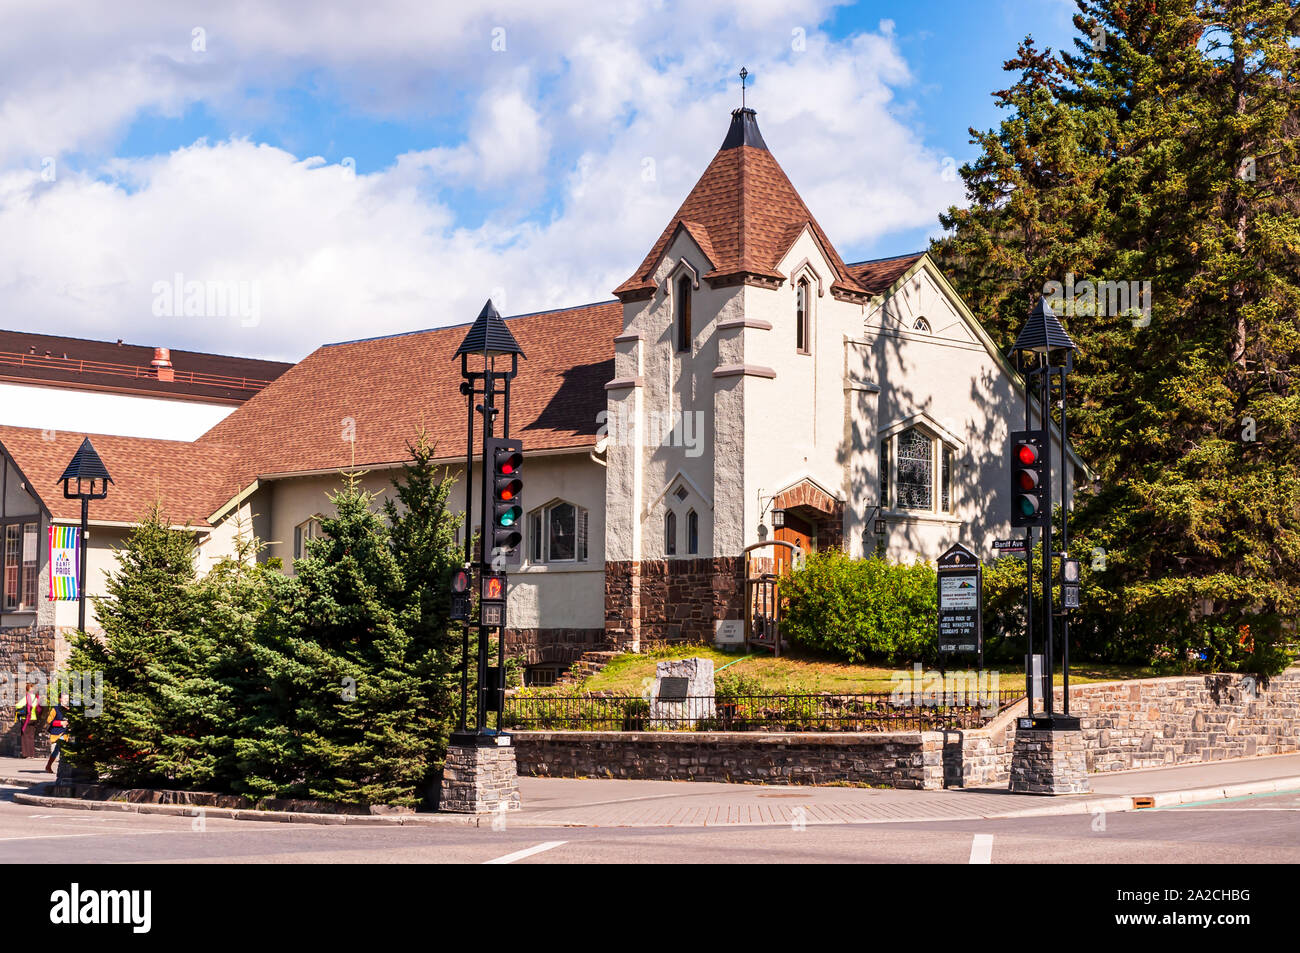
pixel 64 559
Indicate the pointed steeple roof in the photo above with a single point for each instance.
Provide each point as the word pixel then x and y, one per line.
pixel 1043 332
pixel 744 214
pixel 489 334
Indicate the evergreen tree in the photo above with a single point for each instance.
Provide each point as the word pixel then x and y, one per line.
pixel 1190 414
pixel 338 653
pixel 422 533
pixel 147 659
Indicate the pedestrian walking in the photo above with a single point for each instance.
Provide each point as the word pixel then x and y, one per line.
pixel 58 731
pixel 28 713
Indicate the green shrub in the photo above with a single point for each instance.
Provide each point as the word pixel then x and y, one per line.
pixel 862 609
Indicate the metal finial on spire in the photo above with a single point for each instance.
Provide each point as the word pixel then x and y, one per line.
pixel 744 73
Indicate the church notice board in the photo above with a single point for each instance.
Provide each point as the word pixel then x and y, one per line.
pixel 961 601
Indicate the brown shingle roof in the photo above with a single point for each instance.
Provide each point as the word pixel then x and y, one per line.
pixel 386 389
pixel 879 273
pixel 749 214
pixel 190 480
pixel 104 365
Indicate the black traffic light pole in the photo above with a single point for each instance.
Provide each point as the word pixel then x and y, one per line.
pixel 489 378
pixel 488 337
pixel 1045 418
pixel 1029 576
pixel 1065 536
pixel 1040 338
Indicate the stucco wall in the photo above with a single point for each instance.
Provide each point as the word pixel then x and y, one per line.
pixel 669 383
pixel 556 595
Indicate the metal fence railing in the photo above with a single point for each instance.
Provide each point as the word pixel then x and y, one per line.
pixel 768 712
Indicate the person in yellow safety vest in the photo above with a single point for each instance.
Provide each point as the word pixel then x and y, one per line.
pixel 58 730
pixel 27 714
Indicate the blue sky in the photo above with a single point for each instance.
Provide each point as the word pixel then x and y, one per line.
pixel 380 169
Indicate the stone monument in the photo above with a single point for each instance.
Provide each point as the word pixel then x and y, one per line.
pixel 682 693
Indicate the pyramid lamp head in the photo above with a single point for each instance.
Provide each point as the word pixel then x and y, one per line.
pixel 87 471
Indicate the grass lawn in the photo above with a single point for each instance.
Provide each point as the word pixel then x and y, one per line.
pixel 798 672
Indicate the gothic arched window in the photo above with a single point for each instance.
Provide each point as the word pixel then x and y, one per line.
pixel 682 319
pixel 802 317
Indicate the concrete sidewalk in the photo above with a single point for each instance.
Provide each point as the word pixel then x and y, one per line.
pixel 22 772
pixel 560 802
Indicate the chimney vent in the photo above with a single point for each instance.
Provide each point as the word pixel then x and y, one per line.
pixel 162 364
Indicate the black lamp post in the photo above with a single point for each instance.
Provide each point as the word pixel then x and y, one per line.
pixel 488 340
pixel 86 469
pixel 1045 355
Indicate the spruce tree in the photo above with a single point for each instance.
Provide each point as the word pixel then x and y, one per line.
pixel 422 533
pixel 146 658
pixel 1190 414
pixel 338 655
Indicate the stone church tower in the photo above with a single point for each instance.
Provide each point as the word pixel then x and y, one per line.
pixel 729 337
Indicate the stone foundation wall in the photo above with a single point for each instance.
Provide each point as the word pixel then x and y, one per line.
pixel 667 600
pixel 563 646
pixel 903 760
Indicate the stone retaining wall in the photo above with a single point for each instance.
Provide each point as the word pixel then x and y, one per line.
pixel 903 760
pixel 1187 720
pixel 1135 724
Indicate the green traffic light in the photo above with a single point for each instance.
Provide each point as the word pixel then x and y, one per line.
pixel 507 519
pixel 1028 506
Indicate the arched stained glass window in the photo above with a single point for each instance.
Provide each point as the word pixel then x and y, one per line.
pixel 915 482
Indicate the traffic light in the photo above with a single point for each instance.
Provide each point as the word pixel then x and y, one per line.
pixel 1031 497
pixel 505 461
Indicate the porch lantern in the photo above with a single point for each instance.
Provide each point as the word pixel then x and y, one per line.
pixel 778 518
pixel 86 469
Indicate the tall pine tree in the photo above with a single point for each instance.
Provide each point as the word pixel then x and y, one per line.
pixel 1191 414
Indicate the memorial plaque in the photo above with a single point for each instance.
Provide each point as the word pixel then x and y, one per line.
pixel 673 689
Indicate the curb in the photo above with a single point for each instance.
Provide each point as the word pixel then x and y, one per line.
pixel 1117 803
pixel 245 814
pixel 1077 804
pixel 23 782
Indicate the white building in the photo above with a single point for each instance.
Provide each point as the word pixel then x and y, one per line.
pixel 744 367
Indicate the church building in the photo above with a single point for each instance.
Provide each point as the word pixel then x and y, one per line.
pixel 743 376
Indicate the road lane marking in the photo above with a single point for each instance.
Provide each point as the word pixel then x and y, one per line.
pixel 527 852
pixel 981 849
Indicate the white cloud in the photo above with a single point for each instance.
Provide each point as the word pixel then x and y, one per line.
pixel 569 119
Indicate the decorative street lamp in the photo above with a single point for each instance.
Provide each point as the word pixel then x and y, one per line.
pixel 1044 354
pixel 778 518
pixel 86 469
pixel 488 340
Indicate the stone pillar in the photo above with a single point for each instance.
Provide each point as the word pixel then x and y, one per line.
pixel 1049 762
pixel 480 779
pixel 623 606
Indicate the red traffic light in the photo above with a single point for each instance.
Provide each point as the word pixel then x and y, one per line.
pixel 1028 454
pixel 460 581
pixel 509 462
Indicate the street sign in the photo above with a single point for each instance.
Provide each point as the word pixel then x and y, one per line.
pixel 1010 547
pixel 961 597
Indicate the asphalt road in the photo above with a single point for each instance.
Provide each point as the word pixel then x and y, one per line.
pixel 1257 829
